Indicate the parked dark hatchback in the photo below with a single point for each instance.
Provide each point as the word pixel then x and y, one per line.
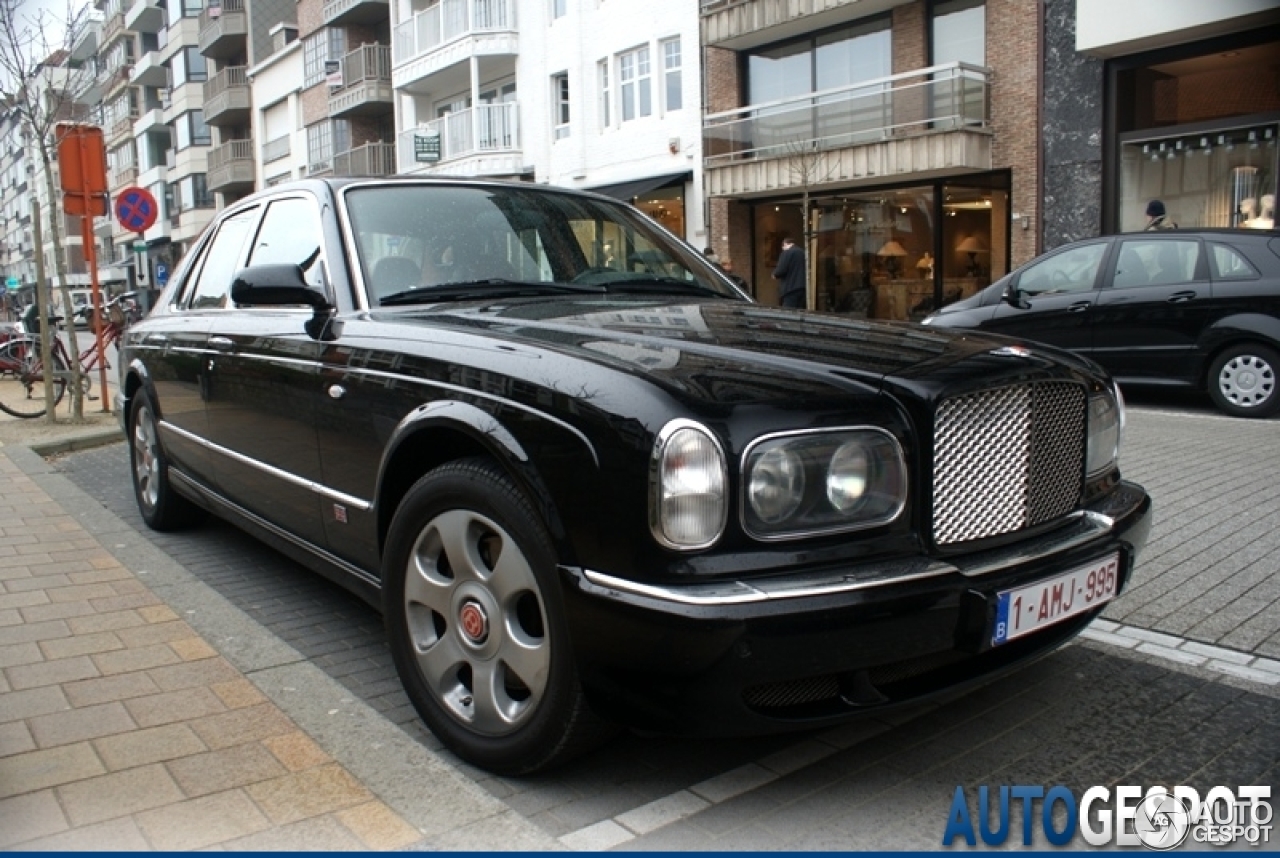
pixel 588 481
pixel 1170 308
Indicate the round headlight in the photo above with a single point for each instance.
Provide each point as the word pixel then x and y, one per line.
pixel 776 485
pixel 848 475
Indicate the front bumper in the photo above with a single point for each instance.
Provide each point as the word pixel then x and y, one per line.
pixel 806 649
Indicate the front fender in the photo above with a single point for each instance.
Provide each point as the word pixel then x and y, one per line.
pixel 441 431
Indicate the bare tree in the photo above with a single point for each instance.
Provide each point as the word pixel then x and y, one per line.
pixel 808 166
pixel 40 83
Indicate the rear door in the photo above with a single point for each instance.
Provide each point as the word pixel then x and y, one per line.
pixel 1156 301
pixel 1059 292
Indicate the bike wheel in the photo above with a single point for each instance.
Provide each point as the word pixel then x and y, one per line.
pixel 22 379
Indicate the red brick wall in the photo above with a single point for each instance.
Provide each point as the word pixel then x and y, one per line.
pixel 1013 55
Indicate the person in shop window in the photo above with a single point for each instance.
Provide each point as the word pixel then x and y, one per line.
pixel 1156 217
pixel 790 274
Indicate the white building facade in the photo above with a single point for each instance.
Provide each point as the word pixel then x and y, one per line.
pixel 585 94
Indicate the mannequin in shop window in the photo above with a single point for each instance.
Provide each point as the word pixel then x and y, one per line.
pixel 1266 218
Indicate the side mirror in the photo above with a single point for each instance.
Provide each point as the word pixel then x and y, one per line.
pixel 1013 296
pixel 283 286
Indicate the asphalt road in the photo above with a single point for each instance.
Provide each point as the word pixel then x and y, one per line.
pixel 1180 685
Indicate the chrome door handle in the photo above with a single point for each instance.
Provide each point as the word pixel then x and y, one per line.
pixel 155 339
pixel 1179 297
pixel 1079 307
pixel 221 342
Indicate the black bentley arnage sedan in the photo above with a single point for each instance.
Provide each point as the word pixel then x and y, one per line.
pixel 588 481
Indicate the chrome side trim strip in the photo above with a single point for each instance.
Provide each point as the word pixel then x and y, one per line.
pixel 196 487
pixel 293 479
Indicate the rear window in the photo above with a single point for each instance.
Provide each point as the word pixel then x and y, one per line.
pixel 1229 264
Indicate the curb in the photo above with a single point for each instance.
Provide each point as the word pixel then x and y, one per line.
pixel 97 438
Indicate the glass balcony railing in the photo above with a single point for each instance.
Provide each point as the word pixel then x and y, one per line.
pixel 939 98
pixel 474 131
pixel 449 20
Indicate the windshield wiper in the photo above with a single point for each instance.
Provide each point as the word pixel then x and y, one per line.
pixel 492 287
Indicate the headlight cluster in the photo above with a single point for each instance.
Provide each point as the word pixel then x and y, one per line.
pixel 1106 425
pixel 814 482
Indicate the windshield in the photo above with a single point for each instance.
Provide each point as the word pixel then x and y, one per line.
pixel 426 243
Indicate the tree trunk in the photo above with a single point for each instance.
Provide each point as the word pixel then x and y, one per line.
pixel 76 381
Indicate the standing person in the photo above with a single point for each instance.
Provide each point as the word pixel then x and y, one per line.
pixel 790 274
pixel 1156 217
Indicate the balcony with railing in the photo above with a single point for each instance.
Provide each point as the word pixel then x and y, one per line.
pixel 449 32
pixel 371 159
pixel 274 150
pixel 366 83
pixel 922 121
pixel 227 98
pixel 355 12
pixel 122 177
pixel 223 29
pixel 478 141
pixel 740 24
pixel 121 126
pixel 144 16
pixel 113 27
pixel 231 166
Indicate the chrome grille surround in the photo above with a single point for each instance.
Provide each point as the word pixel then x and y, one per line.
pixel 1007 459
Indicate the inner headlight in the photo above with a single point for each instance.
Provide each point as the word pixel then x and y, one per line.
pixel 1106 425
pixel 775 485
pixel 806 483
pixel 688 487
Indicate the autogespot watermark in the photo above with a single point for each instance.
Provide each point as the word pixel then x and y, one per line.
pixel 1156 817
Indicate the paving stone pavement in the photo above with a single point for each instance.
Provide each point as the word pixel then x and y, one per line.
pixel 882 783
pixel 122 728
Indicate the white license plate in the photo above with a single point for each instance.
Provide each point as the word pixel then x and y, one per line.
pixel 1026 609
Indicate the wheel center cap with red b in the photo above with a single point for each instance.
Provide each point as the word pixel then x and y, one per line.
pixel 474 622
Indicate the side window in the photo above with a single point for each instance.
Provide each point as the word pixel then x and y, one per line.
pixel 1155 262
pixel 291 234
pixel 1228 264
pixel 222 260
pixel 1074 270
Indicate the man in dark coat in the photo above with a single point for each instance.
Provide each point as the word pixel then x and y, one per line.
pixel 790 274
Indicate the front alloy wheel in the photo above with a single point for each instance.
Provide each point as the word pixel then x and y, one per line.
pixel 476 623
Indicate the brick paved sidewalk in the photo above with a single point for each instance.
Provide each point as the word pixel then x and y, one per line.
pixel 122 728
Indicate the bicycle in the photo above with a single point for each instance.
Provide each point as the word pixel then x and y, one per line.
pixel 22 371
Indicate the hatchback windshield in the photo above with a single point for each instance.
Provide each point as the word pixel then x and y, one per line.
pixel 426 243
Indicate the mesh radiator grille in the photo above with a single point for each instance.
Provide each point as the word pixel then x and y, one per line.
pixel 1007 459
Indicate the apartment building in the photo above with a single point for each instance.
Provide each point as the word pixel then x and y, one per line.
pixel 897 139
pixel 1149 100
pixel 17 243
pixel 579 93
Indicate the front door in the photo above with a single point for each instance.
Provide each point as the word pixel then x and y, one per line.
pixel 1058 294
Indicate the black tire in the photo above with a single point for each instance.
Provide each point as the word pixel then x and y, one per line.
pixel 22 379
pixel 1242 381
pixel 162 508
pixel 470 593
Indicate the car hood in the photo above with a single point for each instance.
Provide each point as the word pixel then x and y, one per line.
pixel 705 343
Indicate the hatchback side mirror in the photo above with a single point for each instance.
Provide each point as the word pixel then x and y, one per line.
pixel 283 285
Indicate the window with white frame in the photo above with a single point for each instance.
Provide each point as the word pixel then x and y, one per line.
pixel 327 44
pixel 635 83
pixel 560 102
pixel 605 116
pixel 671 79
pixel 323 140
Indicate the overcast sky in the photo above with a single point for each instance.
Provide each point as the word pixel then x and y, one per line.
pixel 54 14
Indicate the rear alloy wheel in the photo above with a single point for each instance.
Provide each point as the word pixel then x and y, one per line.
pixel 1242 381
pixel 476 624
pixel 162 508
